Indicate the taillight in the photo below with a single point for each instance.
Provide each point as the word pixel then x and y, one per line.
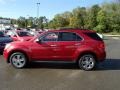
pixel 102 45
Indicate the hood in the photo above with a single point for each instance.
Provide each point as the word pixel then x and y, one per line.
pixel 18 44
pixel 5 39
pixel 21 43
pixel 26 38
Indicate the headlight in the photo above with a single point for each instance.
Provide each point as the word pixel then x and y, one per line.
pixel 21 39
pixel 7 46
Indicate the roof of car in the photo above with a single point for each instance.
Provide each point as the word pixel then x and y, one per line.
pixel 21 31
pixel 73 30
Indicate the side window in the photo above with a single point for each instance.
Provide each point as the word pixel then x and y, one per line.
pixel 78 38
pixel 10 33
pixel 94 36
pixel 1 34
pixel 68 36
pixel 52 36
pixel 13 34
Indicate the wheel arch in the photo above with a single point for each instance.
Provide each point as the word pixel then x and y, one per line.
pixel 87 52
pixel 21 51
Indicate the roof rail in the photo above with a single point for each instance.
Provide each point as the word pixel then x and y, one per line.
pixel 64 28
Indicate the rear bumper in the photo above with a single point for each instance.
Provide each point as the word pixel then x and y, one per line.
pixel 102 56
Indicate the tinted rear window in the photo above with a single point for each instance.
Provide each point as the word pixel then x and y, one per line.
pixel 1 34
pixel 68 36
pixel 22 34
pixel 94 36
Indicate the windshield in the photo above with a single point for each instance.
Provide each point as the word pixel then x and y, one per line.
pixel 22 34
pixel 1 34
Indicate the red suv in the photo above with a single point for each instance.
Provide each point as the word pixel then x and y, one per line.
pixel 82 46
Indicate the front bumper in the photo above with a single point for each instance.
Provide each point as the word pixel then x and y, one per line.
pixel 5 55
pixel 2 49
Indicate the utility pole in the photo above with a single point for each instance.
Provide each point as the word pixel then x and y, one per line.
pixel 37 19
pixel 38 4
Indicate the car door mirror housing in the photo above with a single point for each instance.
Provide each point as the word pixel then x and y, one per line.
pixel 14 36
pixel 38 40
pixel 8 35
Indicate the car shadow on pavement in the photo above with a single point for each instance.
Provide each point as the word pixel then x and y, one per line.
pixel 48 65
pixel 1 53
pixel 108 64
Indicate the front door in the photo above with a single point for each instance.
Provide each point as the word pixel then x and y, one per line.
pixel 45 49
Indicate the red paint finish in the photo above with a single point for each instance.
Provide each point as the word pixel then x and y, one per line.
pixel 20 35
pixel 49 46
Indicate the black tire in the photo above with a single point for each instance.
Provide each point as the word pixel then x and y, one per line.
pixel 18 60
pixel 87 62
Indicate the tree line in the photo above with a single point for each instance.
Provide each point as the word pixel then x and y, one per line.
pixel 104 18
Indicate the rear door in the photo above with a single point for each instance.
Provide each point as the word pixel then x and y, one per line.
pixel 66 45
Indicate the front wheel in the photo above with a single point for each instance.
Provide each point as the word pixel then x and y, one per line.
pixel 87 62
pixel 18 60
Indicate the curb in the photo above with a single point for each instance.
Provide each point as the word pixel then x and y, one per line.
pixel 111 35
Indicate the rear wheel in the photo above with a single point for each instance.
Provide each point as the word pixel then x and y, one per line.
pixel 87 62
pixel 18 60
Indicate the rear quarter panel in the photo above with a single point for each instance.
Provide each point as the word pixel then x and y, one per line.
pixel 83 49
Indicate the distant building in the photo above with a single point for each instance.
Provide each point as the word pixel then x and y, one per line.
pixel 5 23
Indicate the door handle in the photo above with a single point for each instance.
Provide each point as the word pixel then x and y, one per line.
pixel 53 45
pixel 77 44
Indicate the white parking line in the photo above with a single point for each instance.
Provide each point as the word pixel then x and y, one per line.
pixel 116 38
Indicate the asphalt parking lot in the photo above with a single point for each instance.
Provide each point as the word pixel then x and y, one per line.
pixel 51 76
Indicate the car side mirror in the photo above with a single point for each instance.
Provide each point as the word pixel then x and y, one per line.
pixel 15 36
pixel 8 35
pixel 38 40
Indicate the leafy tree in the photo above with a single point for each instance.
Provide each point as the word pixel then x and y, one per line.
pixel 78 18
pixel 30 22
pixel 102 21
pixel 67 16
pixel 104 18
pixel 113 16
pixel 52 24
pixel 41 22
pixel 13 21
pixel 59 21
pixel 92 16
pixel 22 22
